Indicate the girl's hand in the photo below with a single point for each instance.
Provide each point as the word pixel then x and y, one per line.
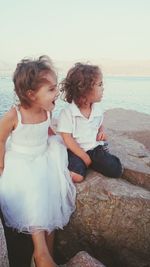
pixel 101 136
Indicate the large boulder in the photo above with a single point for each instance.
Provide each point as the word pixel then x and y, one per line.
pixel 111 223
pixel 129 138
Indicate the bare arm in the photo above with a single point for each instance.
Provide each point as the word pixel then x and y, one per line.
pixel 7 124
pixel 75 148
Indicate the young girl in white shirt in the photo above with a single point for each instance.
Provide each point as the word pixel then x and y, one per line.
pixel 80 123
pixel 37 194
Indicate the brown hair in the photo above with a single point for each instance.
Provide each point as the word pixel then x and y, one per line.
pixel 79 82
pixel 29 76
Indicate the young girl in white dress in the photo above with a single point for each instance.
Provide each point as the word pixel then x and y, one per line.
pixel 36 191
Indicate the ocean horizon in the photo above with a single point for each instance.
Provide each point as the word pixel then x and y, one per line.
pixel 127 92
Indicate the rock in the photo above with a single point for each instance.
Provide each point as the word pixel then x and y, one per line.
pixel 111 223
pixel 129 138
pixel 3 249
pixel 83 259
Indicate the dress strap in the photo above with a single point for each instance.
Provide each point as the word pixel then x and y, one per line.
pixel 49 116
pixel 18 113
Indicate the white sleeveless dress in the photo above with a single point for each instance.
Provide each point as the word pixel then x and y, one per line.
pixel 36 190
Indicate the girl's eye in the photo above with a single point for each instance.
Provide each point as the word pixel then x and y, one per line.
pixel 51 89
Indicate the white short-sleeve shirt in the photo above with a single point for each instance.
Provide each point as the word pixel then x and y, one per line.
pixel 84 130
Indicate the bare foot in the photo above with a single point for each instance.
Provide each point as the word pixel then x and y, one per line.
pixel 43 260
pixel 76 178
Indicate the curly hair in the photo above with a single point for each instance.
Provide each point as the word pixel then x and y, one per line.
pixel 79 82
pixel 29 76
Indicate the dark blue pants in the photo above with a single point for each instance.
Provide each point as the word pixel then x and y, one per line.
pixel 102 162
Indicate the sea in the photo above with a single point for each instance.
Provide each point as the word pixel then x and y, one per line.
pixel 131 93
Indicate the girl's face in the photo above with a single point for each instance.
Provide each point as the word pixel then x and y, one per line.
pixel 47 94
pixel 96 93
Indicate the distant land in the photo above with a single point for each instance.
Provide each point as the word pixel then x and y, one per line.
pixel 109 66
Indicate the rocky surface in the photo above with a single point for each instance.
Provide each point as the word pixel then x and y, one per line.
pixel 83 259
pixel 3 249
pixel 129 138
pixel 111 223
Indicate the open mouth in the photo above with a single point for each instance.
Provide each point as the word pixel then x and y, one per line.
pixel 53 102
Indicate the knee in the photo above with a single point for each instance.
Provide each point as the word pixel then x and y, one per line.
pixel 117 169
pixel 109 166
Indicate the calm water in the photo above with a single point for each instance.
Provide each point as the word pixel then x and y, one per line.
pixel 120 92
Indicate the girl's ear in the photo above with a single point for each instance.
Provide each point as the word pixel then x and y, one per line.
pixel 30 94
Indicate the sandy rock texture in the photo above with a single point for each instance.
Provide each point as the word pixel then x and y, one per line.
pixel 83 259
pixel 3 249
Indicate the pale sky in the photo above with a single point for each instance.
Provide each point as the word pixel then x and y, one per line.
pixel 75 29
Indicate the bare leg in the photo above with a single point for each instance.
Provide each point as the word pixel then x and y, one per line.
pixel 41 254
pixel 50 242
pixel 76 178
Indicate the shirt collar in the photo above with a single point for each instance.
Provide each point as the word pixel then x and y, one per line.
pixel 75 110
pixel 96 110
